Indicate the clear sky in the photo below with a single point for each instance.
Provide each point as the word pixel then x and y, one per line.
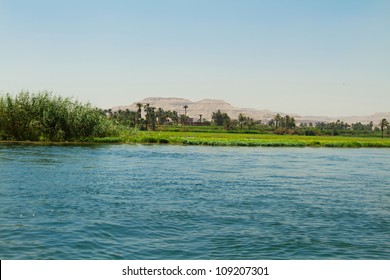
pixel 329 57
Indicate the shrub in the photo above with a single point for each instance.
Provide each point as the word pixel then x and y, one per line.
pixel 44 116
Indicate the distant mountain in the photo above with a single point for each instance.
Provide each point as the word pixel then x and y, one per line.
pixel 206 107
pixel 375 118
pixel 203 107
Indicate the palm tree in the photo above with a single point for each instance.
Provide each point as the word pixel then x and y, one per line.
pixel 133 116
pixel 241 119
pixel 152 117
pixel 384 123
pixel 161 115
pixel 175 117
pixel 139 116
pixel 146 109
pixel 277 120
pixel 185 113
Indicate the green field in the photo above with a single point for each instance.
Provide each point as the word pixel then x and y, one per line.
pixel 237 139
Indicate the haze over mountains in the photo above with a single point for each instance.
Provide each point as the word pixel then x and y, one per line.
pixel 206 107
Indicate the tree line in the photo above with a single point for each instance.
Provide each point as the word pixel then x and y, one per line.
pixel 279 124
pixel 146 117
pixel 45 116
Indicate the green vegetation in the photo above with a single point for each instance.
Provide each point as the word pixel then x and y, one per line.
pixel 250 140
pixel 384 123
pixel 46 117
pixel 220 119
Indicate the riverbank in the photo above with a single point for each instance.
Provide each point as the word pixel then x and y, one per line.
pixel 229 139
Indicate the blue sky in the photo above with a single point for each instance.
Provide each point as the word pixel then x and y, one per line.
pixel 307 57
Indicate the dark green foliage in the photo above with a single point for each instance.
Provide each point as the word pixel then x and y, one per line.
pixel 310 132
pixel 279 122
pixel 44 116
pixel 149 139
pixel 384 123
pixel 126 118
pixel 220 118
pixel 163 141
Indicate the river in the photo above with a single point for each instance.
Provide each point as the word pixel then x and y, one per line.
pixel 193 202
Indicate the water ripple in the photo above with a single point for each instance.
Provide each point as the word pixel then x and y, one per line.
pixel 177 202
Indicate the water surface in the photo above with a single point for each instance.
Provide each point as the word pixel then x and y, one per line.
pixel 184 202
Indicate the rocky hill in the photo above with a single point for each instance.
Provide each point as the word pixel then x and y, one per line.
pixel 203 107
pixel 206 107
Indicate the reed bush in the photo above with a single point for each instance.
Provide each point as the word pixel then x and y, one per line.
pixel 46 117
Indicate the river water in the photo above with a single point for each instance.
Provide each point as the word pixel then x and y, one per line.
pixel 186 202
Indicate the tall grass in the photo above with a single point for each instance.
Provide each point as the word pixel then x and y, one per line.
pixel 47 117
